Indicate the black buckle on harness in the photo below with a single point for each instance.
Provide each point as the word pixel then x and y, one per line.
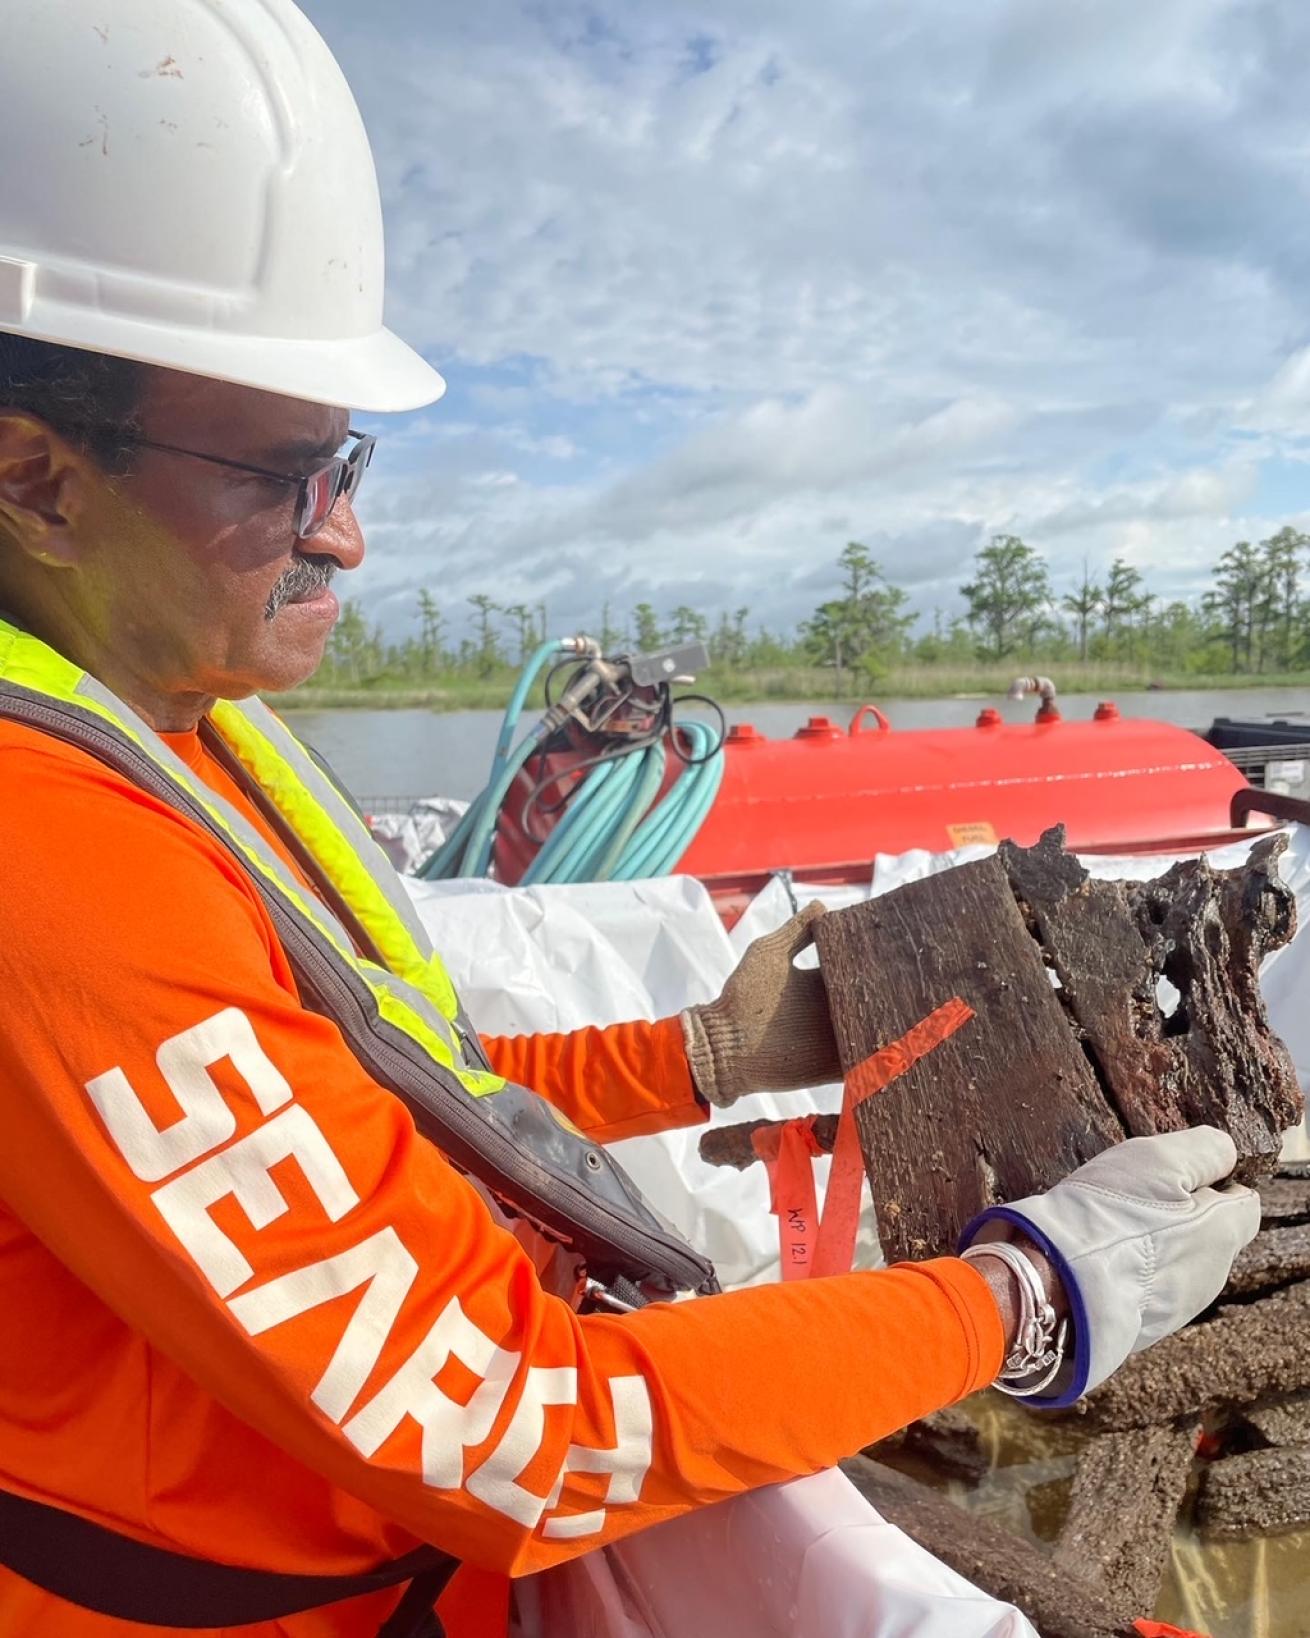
pixel 619 1296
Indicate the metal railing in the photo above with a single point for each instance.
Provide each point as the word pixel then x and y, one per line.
pixel 1256 756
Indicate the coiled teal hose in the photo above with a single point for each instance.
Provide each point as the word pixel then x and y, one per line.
pixel 609 830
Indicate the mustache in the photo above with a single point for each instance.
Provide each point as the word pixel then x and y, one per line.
pixel 310 574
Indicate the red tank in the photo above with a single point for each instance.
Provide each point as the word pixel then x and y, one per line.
pixel 823 803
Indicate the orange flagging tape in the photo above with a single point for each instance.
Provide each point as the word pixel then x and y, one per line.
pixel 835 1248
pixel 1162 1629
pixel 788 1153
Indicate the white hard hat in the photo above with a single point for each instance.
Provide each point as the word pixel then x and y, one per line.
pixel 188 183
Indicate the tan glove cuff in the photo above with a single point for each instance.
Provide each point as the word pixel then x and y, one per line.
pixel 726 1063
pixel 714 1045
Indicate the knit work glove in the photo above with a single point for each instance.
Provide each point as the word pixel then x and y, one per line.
pixel 1141 1239
pixel 769 1031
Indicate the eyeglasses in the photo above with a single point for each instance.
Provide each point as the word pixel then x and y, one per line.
pixel 317 492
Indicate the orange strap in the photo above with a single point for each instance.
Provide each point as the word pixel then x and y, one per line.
pixel 788 1153
pixel 835 1250
pixel 1162 1629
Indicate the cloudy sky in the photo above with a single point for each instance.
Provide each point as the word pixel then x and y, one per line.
pixel 720 286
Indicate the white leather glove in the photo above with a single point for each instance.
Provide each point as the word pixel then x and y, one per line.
pixel 1140 1239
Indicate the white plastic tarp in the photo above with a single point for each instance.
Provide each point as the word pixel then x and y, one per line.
pixel 804 1560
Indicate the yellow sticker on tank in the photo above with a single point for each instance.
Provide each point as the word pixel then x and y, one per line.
pixel 974 830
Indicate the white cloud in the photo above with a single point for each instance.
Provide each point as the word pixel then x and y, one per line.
pixel 1282 406
pixel 1212 492
pixel 721 284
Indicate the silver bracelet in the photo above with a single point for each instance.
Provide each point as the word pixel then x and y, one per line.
pixel 1039 1343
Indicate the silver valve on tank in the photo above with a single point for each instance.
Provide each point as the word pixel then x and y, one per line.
pixel 1044 688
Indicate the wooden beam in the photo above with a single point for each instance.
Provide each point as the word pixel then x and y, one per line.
pixel 1127 1490
pixel 1278 1421
pixel 732 1145
pixel 1260 1493
pixel 1276 1257
pixel 1043 1077
pixel 1008 1104
pixel 1250 1351
pixel 1284 1200
pixel 948 1441
pixel 1210 1057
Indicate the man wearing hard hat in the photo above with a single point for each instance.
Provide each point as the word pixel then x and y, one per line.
pixel 309 1314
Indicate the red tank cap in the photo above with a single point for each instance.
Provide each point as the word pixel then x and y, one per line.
pixel 819 728
pixel 1106 711
pixel 744 733
pixel 989 717
pixel 1048 712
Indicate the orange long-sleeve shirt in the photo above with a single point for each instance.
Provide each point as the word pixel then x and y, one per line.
pixel 251 1315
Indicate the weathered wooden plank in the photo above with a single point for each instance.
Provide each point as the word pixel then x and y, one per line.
pixel 1040 1080
pixel 732 1145
pixel 1211 1059
pixel 1259 1493
pixel 1006 1105
pixel 948 1440
pixel 1060 1604
pixel 1284 1201
pixel 1127 1490
pixel 1278 1421
pixel 1276 1256
pixel 1250 1351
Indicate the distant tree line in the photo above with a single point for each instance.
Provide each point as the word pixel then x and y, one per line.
pixel 1251 620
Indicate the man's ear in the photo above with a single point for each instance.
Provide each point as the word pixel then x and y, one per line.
pixel 42 486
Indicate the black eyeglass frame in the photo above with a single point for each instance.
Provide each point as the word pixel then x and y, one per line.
pixel 343 473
